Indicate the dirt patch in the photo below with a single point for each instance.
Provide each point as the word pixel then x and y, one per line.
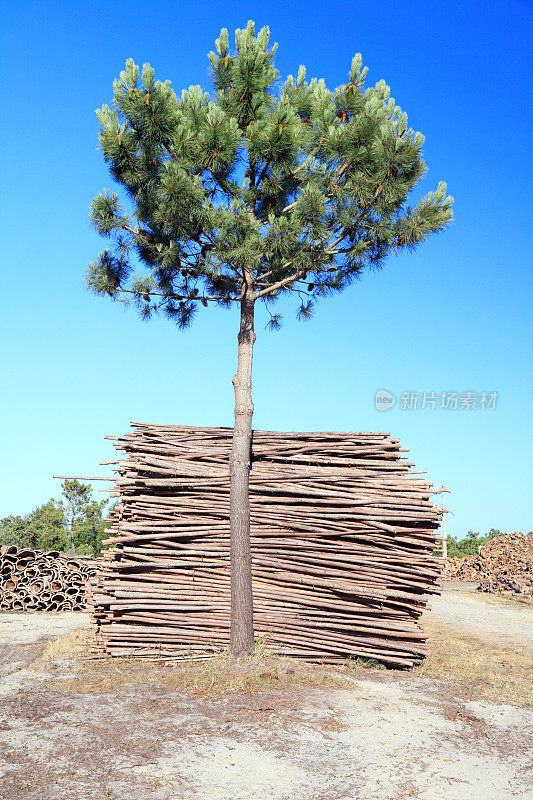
pixel 477 669
pixel 377 739
pixel 490 618
pixel 25 627
pixel 12 658
pixel 72 729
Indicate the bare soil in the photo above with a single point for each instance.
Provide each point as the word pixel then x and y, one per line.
pixel 490 617
pixel 77 730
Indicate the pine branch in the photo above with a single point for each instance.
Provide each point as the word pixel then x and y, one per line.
pixel 279 285
pixel 173 296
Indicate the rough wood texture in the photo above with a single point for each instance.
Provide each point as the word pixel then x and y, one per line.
pixel 342 538
pixel 242 616
pixel 33 580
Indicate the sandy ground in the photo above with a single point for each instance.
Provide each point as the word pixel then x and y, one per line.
pixel 28 628
pixel 386 736
pixel 491 618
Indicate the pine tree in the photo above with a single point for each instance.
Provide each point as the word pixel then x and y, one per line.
pixel 261 190
pixel 77 497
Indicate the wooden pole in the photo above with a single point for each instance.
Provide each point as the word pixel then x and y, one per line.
pixel 444 535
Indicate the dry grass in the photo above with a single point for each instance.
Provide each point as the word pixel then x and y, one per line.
pixel 211 677
pixel 65 647
pixel 478 669
pixel 252 674
pixel 506 599
pixel 482 670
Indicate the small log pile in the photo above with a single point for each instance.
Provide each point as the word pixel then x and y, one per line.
pixel 511 585
pixel 510 554
pixel 342 537
pixel 34 580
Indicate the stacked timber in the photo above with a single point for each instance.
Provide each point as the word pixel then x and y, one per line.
pixel 342 533
pixel 34 580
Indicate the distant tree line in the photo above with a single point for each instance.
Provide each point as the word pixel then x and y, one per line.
pixel 469 546
pixel 73 523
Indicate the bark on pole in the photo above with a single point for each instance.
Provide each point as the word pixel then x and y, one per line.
pixel 242 623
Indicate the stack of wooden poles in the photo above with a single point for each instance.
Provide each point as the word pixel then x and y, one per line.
pixel 34 580
pixel 342 533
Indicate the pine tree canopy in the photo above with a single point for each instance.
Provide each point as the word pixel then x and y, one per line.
pixel 263 187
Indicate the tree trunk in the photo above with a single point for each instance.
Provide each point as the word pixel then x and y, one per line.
pixel 242 622
pixel 71 534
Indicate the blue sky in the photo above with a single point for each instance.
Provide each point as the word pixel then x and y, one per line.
pixel 454 316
